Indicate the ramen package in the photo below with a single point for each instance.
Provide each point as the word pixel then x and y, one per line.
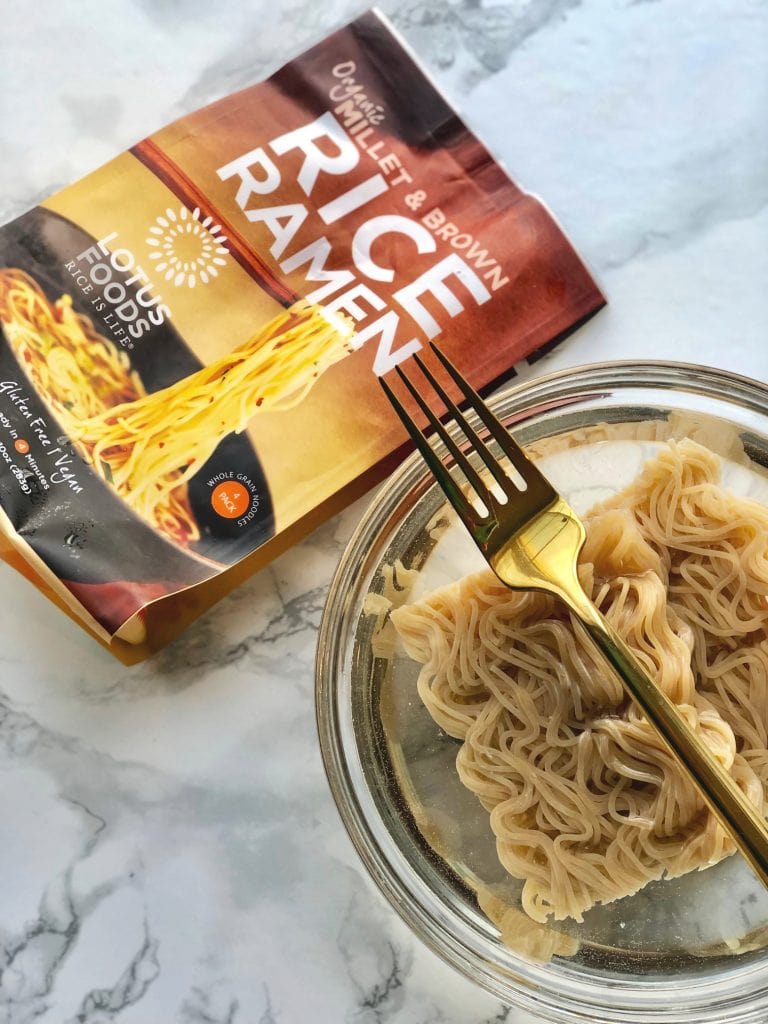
pixel 192 334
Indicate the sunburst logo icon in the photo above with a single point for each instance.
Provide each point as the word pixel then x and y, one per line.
pixel 185 248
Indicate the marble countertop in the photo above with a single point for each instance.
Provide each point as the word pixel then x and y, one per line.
pixel 165 855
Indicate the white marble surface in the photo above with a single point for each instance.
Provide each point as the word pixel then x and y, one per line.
pixel 165 854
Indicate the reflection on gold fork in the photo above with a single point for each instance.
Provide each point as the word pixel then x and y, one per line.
pixel 531 538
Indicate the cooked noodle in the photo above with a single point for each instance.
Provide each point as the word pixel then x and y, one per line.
pixel 148 446
pixel 80 372
pixel 586 803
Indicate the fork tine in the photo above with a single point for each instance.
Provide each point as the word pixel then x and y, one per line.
pixel 469 471
pixel 477 443
pixel 441 474
pixel 525 467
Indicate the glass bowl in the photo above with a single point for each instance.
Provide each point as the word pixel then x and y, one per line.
pixel 692 949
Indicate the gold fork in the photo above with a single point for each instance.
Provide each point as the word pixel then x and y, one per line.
pixel 531 538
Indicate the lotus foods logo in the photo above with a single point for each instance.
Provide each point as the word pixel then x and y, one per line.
pixel 185 249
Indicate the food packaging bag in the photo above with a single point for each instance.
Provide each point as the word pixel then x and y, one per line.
pixel 192 334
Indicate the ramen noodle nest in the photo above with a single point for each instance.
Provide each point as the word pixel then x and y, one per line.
pixel 586 803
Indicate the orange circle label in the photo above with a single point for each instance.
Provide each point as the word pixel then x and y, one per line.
pixel 230 499
pixel 21 446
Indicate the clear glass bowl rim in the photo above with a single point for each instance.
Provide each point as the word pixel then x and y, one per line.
pixel 743 996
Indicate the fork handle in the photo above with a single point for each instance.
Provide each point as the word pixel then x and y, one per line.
pixel 739 817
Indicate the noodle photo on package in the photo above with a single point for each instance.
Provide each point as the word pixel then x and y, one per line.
pixel 147 446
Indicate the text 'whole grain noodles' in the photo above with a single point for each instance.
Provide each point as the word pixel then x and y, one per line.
pixel 148 446
pixel 586 803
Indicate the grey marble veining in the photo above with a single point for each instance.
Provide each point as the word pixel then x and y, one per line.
pixel 170 850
